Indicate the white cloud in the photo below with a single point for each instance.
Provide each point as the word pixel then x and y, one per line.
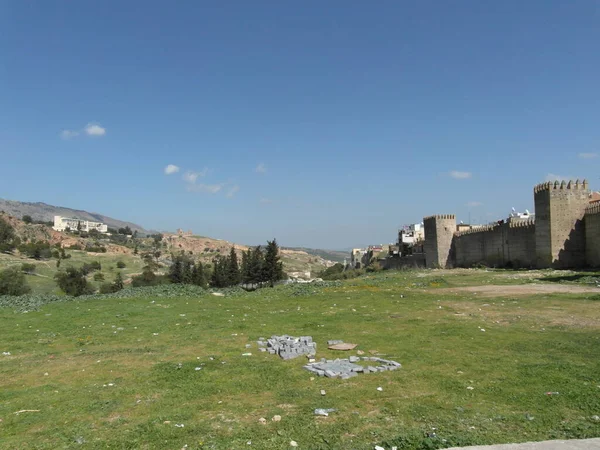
pixel 588 155
pixel 171 169
pixel 460 175
pixel 192 177
pixel 68 134
pixel 261 168
pixel 555 177
pixel 265 201
pixel 92 129
pixel 232 191
pixel 474 204
pixel 208 188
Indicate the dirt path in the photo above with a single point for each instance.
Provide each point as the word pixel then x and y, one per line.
pixel 523 289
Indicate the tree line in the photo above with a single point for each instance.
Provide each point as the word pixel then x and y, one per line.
pixel 257 267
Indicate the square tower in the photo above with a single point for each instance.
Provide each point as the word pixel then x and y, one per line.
pixel 559 229
pixel 439 232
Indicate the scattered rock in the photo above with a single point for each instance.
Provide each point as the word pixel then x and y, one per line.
pixel 262 421
pixel 380 389
pixel 323 392
pixel 276 418
pixel 293 444
pixel 324 411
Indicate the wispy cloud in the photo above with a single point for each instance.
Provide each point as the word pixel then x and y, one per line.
pixel 68 134
pixel 208 188
pixel 265 201
pixel 474 204
pixel 460 175
pixel 93 129
pixel 261 168
pixel 555 177
pixel 588 155
pixel 232 191
pixel 171 169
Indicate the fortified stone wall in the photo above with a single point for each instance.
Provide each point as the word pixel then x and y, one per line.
pixel 521 243
pixel 560 232
pixel 439 231
pixel 499 245
pixel 592 235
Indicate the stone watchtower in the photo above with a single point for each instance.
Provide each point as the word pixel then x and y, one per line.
pixel 559 228
pixel 439 231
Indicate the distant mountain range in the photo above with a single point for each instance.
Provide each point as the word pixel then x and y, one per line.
pixel 45 212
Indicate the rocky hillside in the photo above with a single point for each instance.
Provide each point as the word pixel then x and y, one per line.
pixel 43 233
pixel 44 212
pixel 297 263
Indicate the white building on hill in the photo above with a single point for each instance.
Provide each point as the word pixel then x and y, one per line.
pixel 62 223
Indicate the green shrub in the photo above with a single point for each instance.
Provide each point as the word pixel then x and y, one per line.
pixel 72 282
pixel 98 276
pixel 91 267
pixel 96 249
pixel 75 247
pixel 148 278
pixel 28 268
pixel 36 250
pixel 106 288
pixel 12 282
pixel 121 265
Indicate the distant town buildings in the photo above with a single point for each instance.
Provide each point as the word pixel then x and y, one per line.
pixel 63 223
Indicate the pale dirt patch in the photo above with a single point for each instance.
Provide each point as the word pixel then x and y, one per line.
pixel 518 290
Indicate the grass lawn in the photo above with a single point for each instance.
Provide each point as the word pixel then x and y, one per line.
pixel 42 281
pixel 121 372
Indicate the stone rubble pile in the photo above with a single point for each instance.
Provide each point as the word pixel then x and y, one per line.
pixel 288 347
pixel 347 368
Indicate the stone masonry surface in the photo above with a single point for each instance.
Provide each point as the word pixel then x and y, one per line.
pixel 289 347
pixel 347 368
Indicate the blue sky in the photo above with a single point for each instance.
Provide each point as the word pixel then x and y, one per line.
pixel 323 124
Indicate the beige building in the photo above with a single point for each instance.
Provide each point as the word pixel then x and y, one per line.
pixel 62 223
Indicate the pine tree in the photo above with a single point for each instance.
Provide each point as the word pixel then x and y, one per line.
pixel 233 270
pixel 256 266
pixel 118 284
pixel 176 270
pixel 218 275
pixel 187 271
pixel 198 277
pixel 273 267
pixel 244 267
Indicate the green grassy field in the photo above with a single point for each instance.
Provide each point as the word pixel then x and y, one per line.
pixel 121 372
pixel 42 281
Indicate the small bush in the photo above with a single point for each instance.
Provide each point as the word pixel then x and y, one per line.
pixel 91 267
pixel 106 288
pixel 72 282
pixel 12 282
pixel 98 276
pixel 96 249
pixel 75 247
pixel 148 278
pixel 28 268
pixel 121 265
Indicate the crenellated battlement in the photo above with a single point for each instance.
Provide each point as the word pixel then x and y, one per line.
pixel 483 229
pixel 560 185
pixel 593 208
pixel 440 217
pixel 522 223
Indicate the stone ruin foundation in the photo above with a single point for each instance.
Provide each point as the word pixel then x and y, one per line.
pixel 289 347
